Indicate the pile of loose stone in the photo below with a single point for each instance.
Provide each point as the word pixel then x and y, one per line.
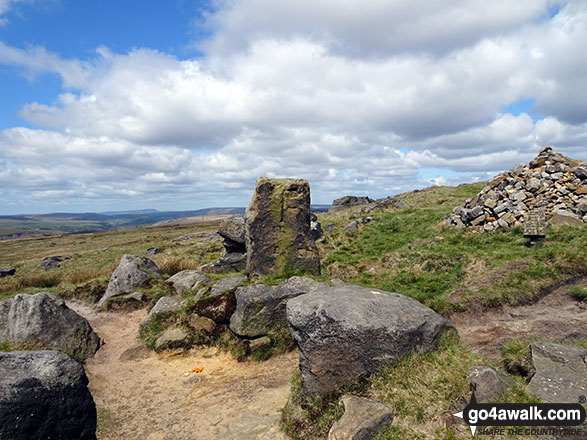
pixel 551 182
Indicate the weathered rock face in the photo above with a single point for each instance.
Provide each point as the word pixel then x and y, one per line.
pixel 362 419
pixel 44 395
pixel 278 228
pixel 131 273
pixel 551 182
pixel 561 372
pixel 349 201
pixel 45 320
pixel 259 308
pixel 346 332
pixel 231 262
pixel 490 383
pixel 188 280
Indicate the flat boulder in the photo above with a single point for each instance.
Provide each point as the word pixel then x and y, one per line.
pixel 362 419
pixel 44 395
pixel 561 372
pixel 132 272
pixel 344 333
pixel 259 308
pixel 188 280
pixel 45 320
pixel 278 237
pixel 489 383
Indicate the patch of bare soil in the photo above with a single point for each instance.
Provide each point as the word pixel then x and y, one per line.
pixel 150 398
pixel 555 317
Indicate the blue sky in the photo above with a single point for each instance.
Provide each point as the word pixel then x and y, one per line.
pixel 182 104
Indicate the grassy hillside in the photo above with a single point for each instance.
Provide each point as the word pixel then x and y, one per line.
pixel 406 251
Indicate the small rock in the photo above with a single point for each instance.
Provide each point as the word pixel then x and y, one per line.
pixel 362 419
pixel 49 263
pixel 329 227
pixel 563 217
pixel 153 251
pixel 166 304
pixel 188 280
pixel 581 172
pixel 134 353
pixel 171 338
pixel 231 262
pixel 201 323
pixel 7 272
pixel 490 383
pixel 352 226
pixel 227 284
pixel 136 296
pixel 259 342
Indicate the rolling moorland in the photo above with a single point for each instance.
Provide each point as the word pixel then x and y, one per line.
pixel 486 283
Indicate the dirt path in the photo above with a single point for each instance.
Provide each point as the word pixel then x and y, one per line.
pixel 555 317
pixel 151 399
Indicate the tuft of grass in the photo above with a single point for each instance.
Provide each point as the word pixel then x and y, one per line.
pixel 228 342
pixel 516 357
pixel 303 419
pixel 105 421
pixel 150 332
pixel 579 293
pixel 280 342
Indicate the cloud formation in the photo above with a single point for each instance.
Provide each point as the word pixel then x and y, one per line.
pixel 358 100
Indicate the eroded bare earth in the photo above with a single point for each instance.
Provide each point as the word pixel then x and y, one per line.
pixel 152 399
pixel 556 317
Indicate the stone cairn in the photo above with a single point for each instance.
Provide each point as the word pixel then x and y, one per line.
pixel 551 182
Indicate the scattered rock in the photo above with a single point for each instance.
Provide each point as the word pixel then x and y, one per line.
pixel 201 323
pixel 204 237
pixel 7 272
pixel 230 262
pixel 166 304
pixel 136 296
pixel 388 202
pixel 330 227
pixel 349 201
pixel 362 419
pixel 255 344
pixel 561 372
pixel 45 320
pixel 188 280
pixel 347 332
pixel 259 308
pixel 49 263
pixel 131 273
pixel 352 226
pixel 44 395
pixel 490 383
pixel 278 228
pixel 550 182
pixel 153 251
pixel 171 338
pixel 227 284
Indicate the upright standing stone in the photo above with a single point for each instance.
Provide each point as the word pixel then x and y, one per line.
pixel 278 228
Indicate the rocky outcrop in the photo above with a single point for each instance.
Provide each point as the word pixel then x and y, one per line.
pixel 561 372
pixel 362 419
pixel 220 302
pixel 132 272
pixel 259 308
pixel 489 383
pixel 347 332
pixel 188 280
pixel 6 272
pixel 44 395
pixel 348 202
pixel 232 230
pixel 43 319
pixel 278 228
pixel 165 305
pixel 551 182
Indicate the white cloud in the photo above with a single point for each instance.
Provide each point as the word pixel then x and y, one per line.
pixel 329 91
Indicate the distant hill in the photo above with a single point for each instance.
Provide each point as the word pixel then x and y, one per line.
pixel 59 223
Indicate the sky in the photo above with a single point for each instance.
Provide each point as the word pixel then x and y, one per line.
pixel 181 104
